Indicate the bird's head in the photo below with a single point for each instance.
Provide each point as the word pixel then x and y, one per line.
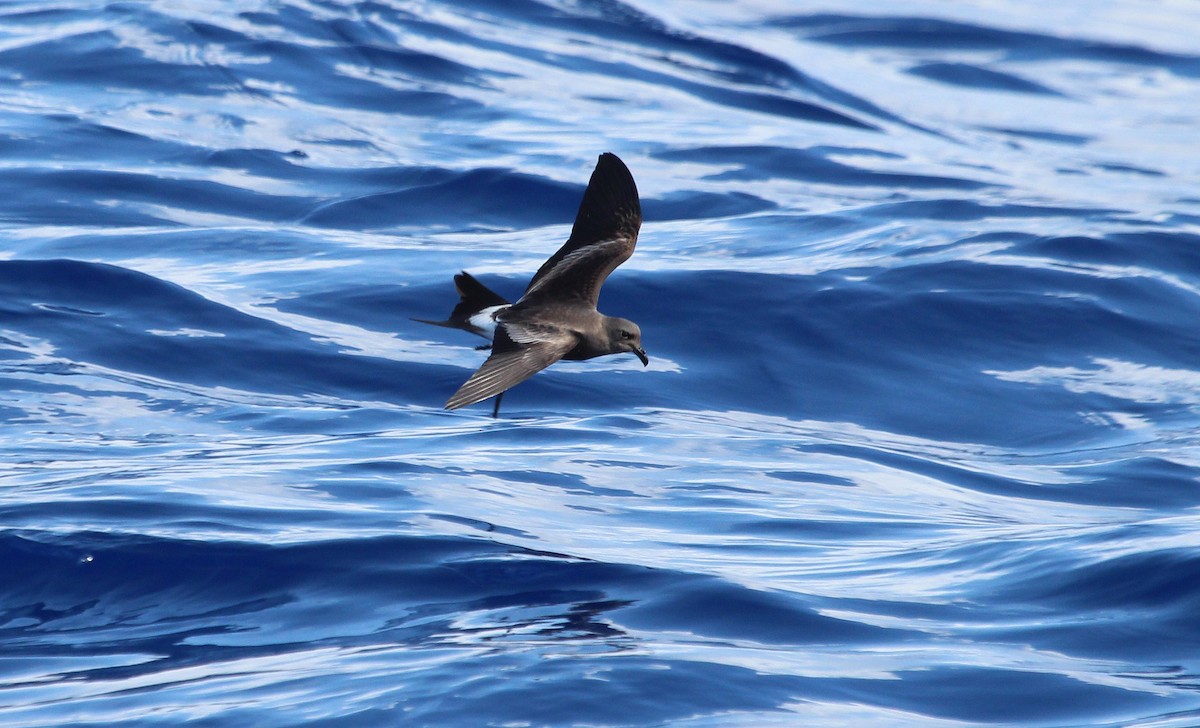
pixel 624 335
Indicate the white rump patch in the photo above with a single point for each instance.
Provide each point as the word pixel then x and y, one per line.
pixel 486 319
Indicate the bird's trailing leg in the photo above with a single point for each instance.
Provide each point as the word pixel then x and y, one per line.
pixel 496 407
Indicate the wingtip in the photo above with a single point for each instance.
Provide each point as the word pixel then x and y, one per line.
pixel 609 158
pixel 610 204
pixel 611 169
pixel 474 390
pixel 458 401
pixel 466 396
pixel 432 322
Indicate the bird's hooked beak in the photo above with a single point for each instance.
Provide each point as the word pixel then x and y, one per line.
pixel 641 354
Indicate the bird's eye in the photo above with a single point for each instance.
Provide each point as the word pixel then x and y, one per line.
pixel 626 335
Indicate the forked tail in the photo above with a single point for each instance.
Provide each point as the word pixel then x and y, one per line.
pixel 473 297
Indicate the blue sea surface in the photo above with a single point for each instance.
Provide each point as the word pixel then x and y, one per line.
pixel 918 445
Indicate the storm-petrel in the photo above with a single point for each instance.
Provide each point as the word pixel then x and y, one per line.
pixel 557 316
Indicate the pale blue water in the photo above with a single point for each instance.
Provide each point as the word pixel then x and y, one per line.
pixel 918 444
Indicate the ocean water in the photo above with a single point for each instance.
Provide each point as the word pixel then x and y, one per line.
pixel 918 444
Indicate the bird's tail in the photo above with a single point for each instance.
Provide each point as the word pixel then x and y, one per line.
pixel 473 297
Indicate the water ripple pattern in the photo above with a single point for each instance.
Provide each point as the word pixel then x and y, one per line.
pixel 918 445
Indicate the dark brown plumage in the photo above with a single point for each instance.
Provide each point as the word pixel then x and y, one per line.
pixel 473 298
pixel 557 317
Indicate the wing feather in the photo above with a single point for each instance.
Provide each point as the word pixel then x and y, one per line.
pixel 583 270
pixel 604 235
pixel 506 369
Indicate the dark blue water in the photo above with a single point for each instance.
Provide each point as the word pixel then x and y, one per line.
pixel 918 445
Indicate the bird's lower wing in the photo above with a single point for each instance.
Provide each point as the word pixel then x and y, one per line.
pixel 506 369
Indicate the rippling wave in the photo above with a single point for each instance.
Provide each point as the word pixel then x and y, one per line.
pixel 917 445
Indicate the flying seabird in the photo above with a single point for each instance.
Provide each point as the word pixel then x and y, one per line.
pixel 557 316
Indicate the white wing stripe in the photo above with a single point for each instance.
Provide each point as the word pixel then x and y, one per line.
pixel 503 371
pixel 573 258
pixel 526 335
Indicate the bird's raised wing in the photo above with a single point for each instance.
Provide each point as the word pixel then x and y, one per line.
pixel 604 235
pixel 513 361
